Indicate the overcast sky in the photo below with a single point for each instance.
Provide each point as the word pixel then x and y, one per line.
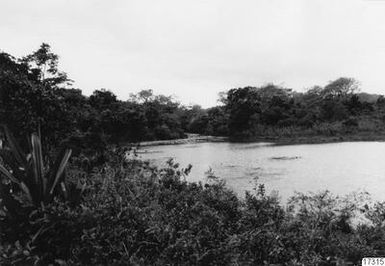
pixel 195 49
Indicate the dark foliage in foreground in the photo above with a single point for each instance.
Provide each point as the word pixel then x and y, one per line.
pixel 133 213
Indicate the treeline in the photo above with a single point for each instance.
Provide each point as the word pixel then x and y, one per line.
pixel 36 96
pixel 273 111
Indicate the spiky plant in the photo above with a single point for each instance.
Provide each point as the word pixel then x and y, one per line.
pixel 24 176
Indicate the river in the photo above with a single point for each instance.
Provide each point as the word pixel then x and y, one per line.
pixel 341 168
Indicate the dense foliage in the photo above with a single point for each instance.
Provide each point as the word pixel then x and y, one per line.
pixel 35 95
pixel 133 213
pixel 272 111
pixel 106 209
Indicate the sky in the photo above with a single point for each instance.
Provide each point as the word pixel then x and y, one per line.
pixel 194 49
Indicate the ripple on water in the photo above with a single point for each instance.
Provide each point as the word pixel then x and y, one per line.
pixel 286 158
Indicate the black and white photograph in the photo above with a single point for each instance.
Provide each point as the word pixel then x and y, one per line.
pixel 192 132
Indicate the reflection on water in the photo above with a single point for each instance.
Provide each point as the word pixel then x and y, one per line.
pixel 339 167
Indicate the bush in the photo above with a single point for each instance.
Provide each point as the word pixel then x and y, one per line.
pixel 133 213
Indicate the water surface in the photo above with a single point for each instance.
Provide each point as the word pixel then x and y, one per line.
pixel 341 168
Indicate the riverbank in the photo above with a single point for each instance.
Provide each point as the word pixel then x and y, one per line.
pixel 191 138
pixel 320 139
pixel 317 139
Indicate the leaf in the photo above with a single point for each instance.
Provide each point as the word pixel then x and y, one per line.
pixel 26 191
pixel 6 173
pixel 37 164
pixel 36 235
pixel 59 171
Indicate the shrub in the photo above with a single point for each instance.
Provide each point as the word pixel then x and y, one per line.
pixel 27 178
pixel 134 213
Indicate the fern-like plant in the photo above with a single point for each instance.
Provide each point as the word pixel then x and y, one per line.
pixel 24 176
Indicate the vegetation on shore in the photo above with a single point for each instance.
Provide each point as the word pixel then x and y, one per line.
pixel 129 212
pixel 35 93
pixel 94 205
pixel 336 110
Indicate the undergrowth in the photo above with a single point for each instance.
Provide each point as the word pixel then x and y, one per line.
pixel 132 213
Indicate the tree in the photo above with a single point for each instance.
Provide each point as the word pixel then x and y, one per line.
pixel 222 97
pixel 28 105
pixel 218 121
pixel 243 105
pixel 146 95
pixel 102 99
pixel 341 87
pixel 250 106
pixel 163 115
pixel 43 63
pixel 143 96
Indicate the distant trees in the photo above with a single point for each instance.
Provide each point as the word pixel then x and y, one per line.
pixel 244 107
pixel 35 94
pixel 252 109
pixel 251 106
pixel 161 113
pixel 341 87
pixel 102 99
